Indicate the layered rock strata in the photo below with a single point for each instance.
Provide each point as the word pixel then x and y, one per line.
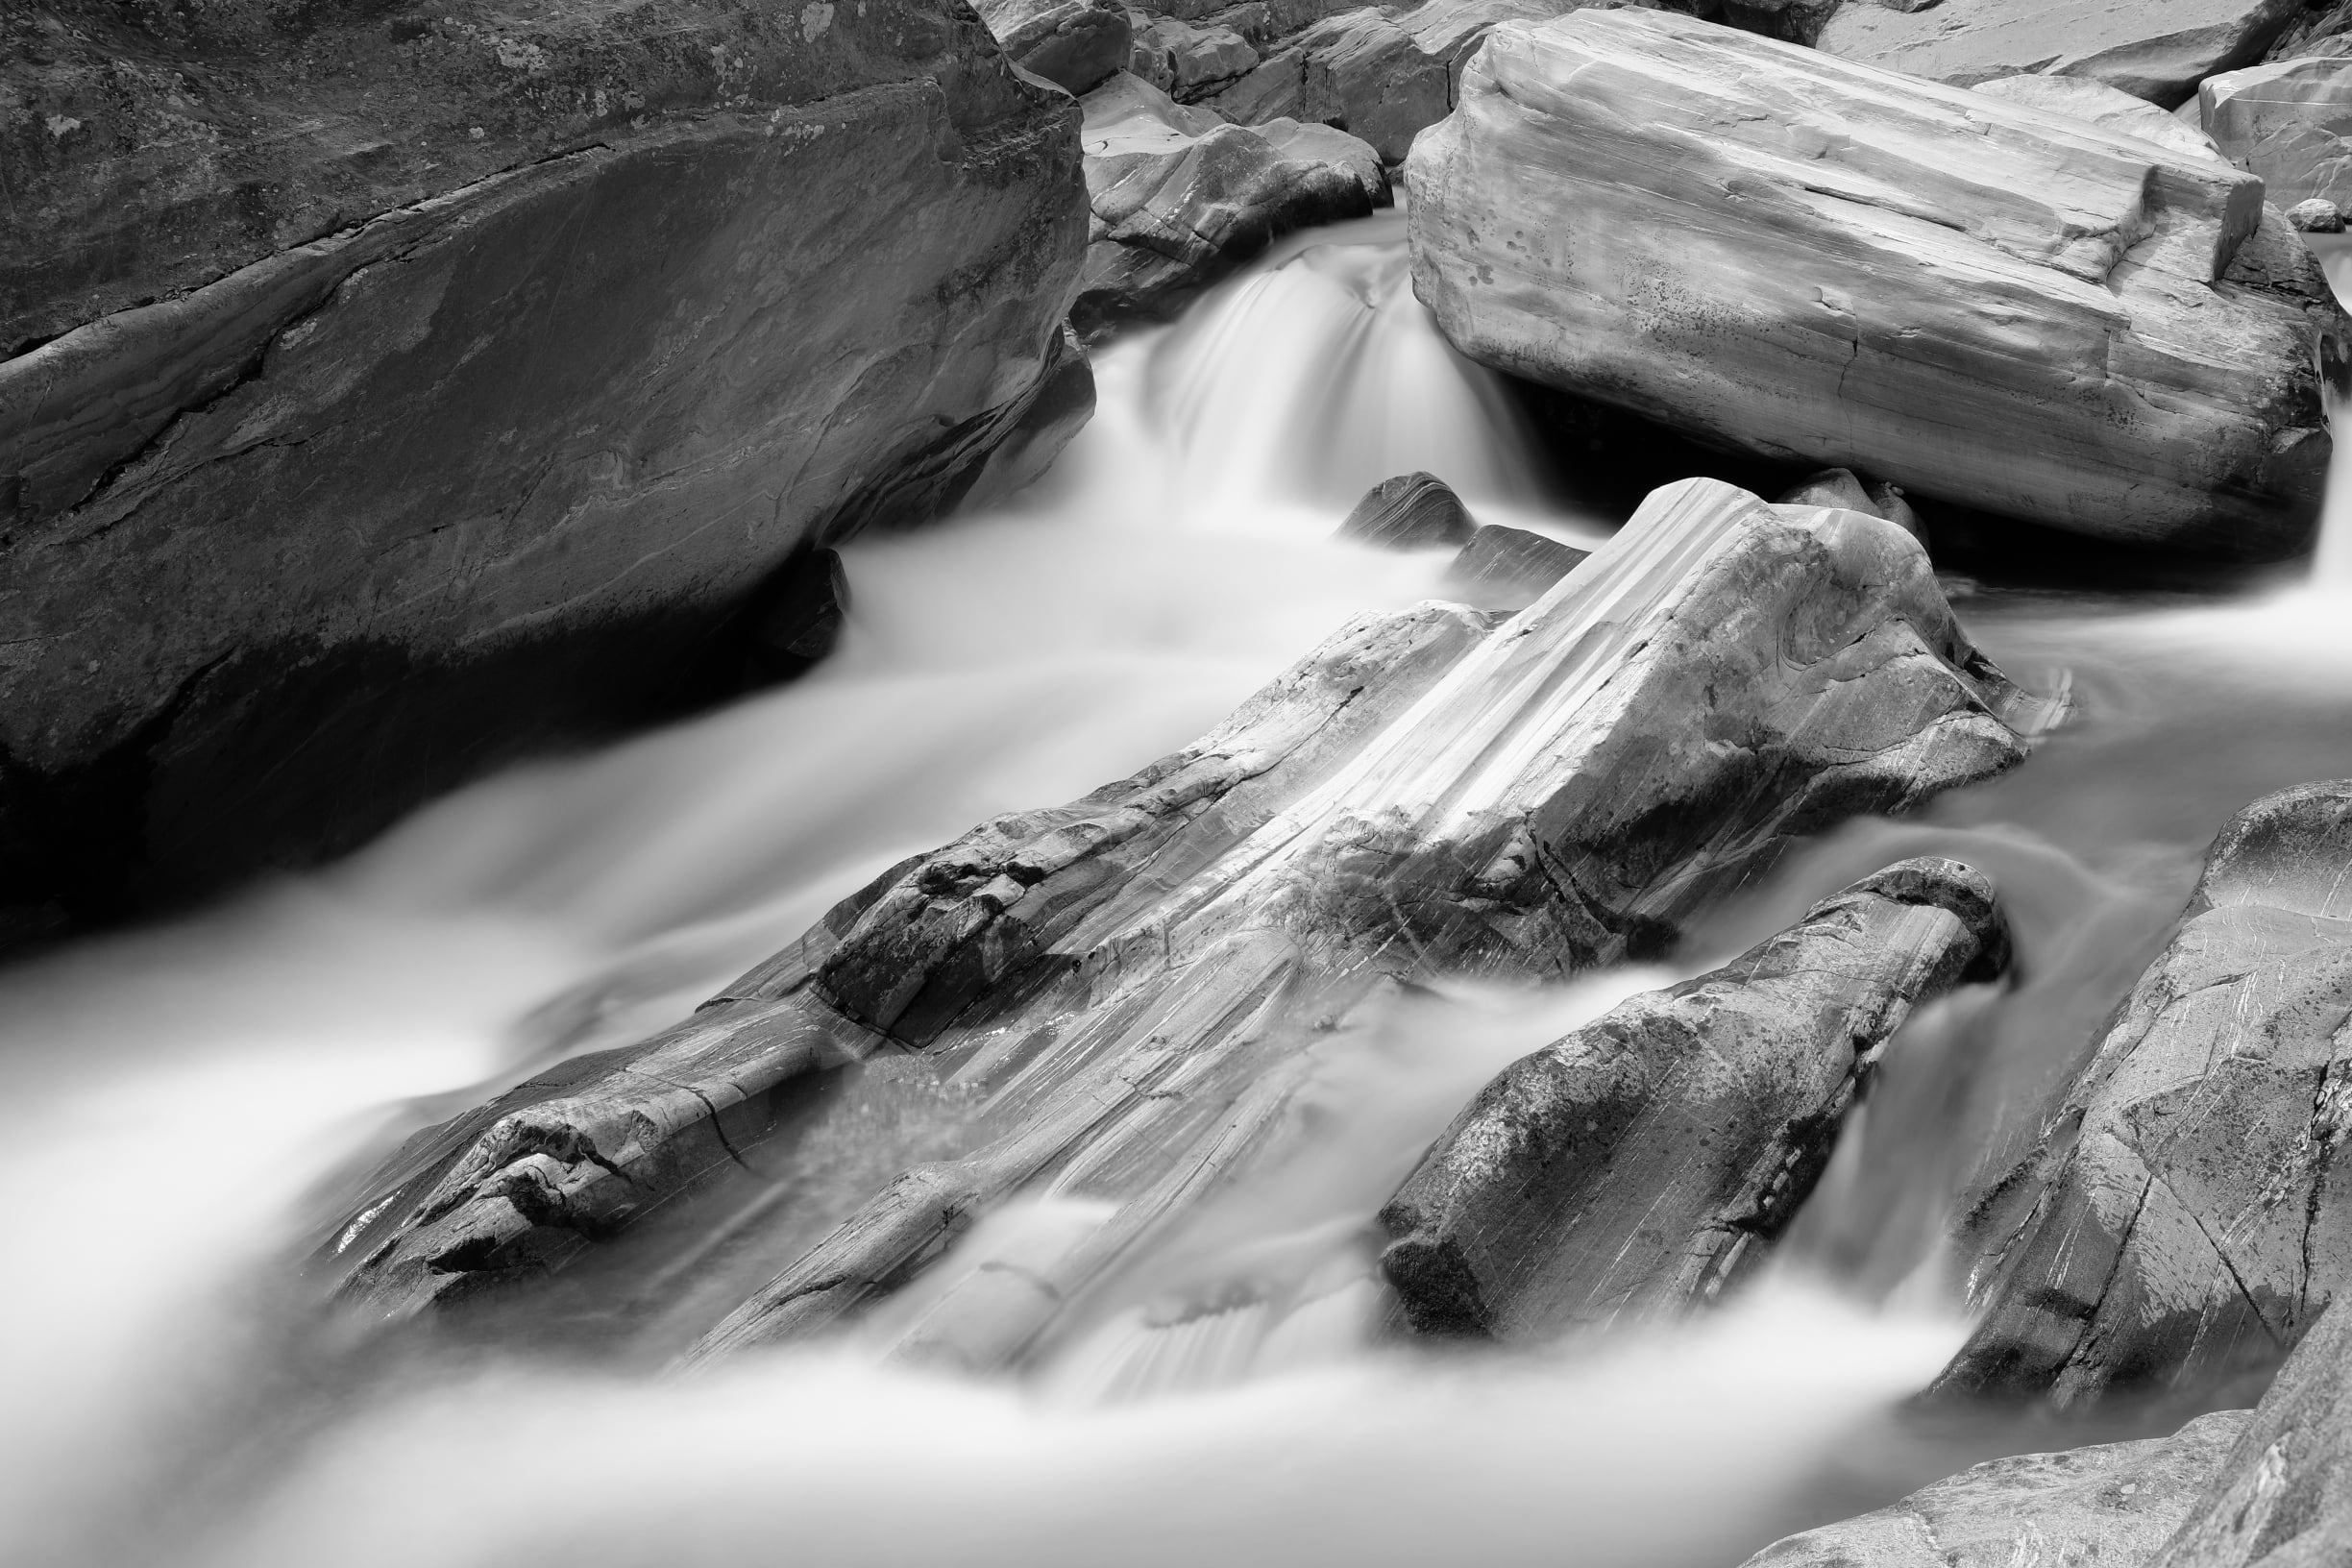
pixel 1508 569
pixel 394 392
pixel 2184 1217
pixel 1642 1163
pixel 1813 261
pixel 1411 511
pixel 1131 986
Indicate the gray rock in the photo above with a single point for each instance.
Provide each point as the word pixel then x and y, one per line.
pixel 2290 122
pixel 1980 303
pixel 1130 986
pixel 1412 511
pixel 2184 1218
pixel 1639 1165
pixel 2109 1506
pixel 1508 569
pixel 2111 108
pixel 1188 63
pixel 1076 44
pixel 2317 216
pixel 1842 487
pixel 1359 71
pixel 437 383
pixel 2154 49
pixel 1180 198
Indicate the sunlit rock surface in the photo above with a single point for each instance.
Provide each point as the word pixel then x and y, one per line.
pixel 2288 122
pixel 2109 1506
pixel 2110 107
pixel 1076 44
pixel 2153 49
pixel 1825 262
pixel 1129 988
pixel 1642 1163
pixel 1508 569
pixel 2184 1216
pixel 1180 198
pixel 422 383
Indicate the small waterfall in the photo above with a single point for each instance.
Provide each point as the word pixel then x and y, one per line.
pixel 2332 561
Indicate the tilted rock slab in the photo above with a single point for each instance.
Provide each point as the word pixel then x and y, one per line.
pixel 2153 49
pixel 2290 122
pixel 437 381
pixel 2106 1506
pixel 1076 44
pixel 1821 262
pixel 2110 107
pixel 2186 1215
pixel 1638 1165
pixel 1131 984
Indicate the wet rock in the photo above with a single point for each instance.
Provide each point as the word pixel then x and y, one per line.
pixel 1130 986
pixel 1508 569
pixel 2154 49
pixel 2317 216
pixel 1842 487
pixel 1980 303
pixel 1640 1164
pixel 435 385
pixel 2108 1506
pixel 1076 44
pixel 2184 1218
pixel 2290 122
pixel 1180 198
pixel 2110 107
pixel 2282 1497
pixel 1412 511
pixel 1189 63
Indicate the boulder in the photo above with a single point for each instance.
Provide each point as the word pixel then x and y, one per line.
pixel 1359 71
pixel 1842 487
pixel 2112 108
pixel 1787 254
pixel 1412 511
pixel 2282 1495
pixel 2317 216
pixel 1189 63
pixel 1076 44
pixel 2154 49
pixel 1126 990
pixel 1642 1163
pixel 1508 569
pixel 2108 1506
pixel 2182 1219
pixel 423 385
pixel 1180 198
pixel 2289 122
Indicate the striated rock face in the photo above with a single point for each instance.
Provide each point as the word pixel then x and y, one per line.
pixel 1360 71
pixel 1508 569
pixel 1180 198
pixel 2110 1506
pixel 1412 511
pixel 2184 1217
pixel 2289 122
pixel 1130 987
pixel 2110 107
pixel 2154 49
pixel 1976 300
pixel 415 384
pixel 1076 44
pixel 1641 1163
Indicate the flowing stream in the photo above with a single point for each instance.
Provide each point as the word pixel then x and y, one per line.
pixel 187 1100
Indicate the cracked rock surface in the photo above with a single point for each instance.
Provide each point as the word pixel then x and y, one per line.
pixel 2184 1217
pixel 393 388
pixel 1821 262
pixel 1126 989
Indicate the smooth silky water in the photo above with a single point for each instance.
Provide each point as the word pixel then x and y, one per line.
pixel 188 1103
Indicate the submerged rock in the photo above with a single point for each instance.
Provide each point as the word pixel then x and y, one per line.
pixel 1508 569
pixel 1645 1161
pixel 1130 988
pixel 1076 44
pixel 2290 122
pixel 1412 511
pixel 1814 260
pixel 2154 49
pixel 2184 1217
pixel 437 382
pixel 1180 198
pixel 2108 1506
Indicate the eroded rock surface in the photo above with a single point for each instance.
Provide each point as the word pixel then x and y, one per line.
pixel 2290 122
pixel 1076 44
pixel 1508 569
pixel 1180 198
pixel 2083 99
pixel 2185 1216
pixel 2109 1506
pixel 399 387
pixel 1412 511
pixel 1643 1163
pixel 1816 261
pixel 1130 986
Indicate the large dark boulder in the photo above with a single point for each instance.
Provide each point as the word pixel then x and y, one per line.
pixel 397 387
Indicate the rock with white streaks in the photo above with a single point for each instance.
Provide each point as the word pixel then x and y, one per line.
pixel 2188 1213
pixel 1130 987
pixel 1813 261
pixel 1642 1163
